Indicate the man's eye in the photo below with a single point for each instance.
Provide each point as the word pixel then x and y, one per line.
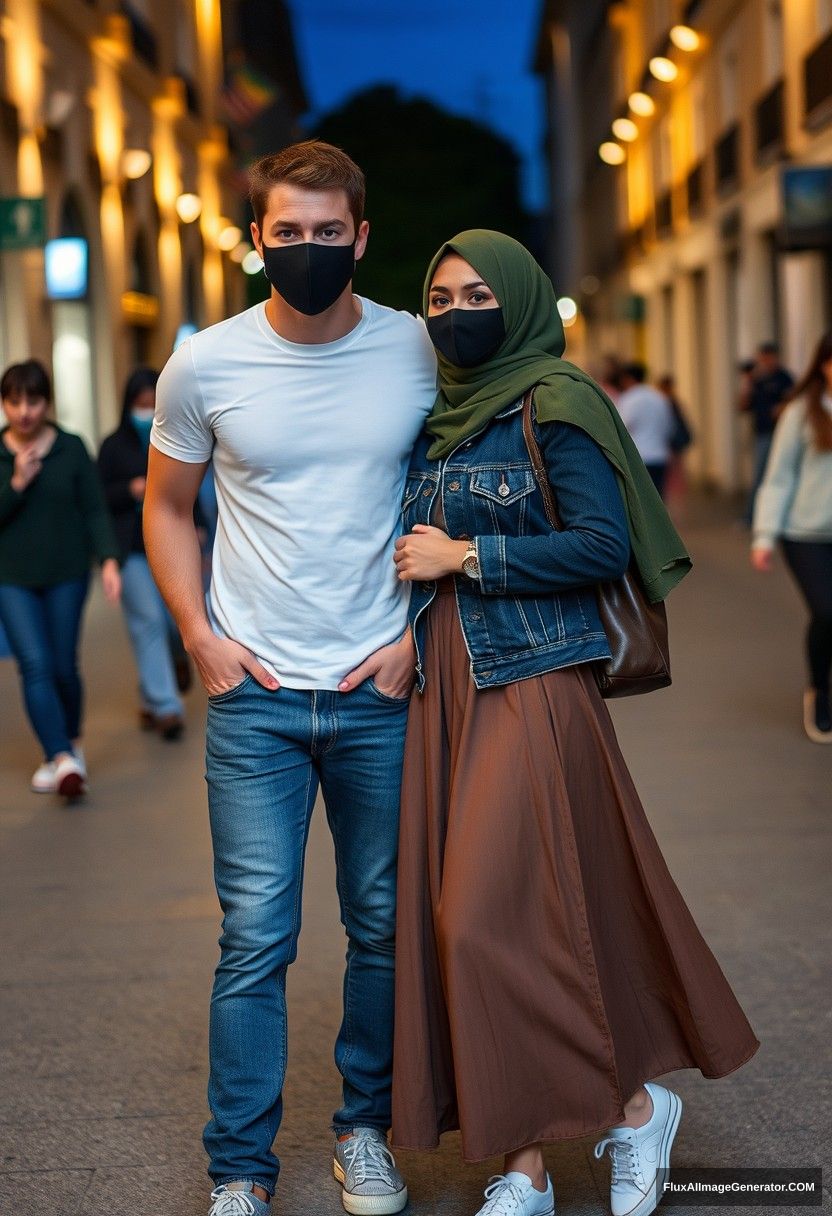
pixel 329 233
pixel 286 234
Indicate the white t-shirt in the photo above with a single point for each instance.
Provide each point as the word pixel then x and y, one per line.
pixel 648 416
pixel 310 447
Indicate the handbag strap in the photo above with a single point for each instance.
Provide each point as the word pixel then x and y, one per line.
pixel 539 464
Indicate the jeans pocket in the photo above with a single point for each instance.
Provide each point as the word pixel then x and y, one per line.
pixel 385 696
pixel 218 697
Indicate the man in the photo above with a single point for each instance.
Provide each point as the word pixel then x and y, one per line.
pixel 764 387
pixel 648 417
pixel 308 406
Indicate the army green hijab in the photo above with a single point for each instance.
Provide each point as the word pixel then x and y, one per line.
pixel 530 356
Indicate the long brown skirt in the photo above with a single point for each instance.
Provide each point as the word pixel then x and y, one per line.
pixel 546 963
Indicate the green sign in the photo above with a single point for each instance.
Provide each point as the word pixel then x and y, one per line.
pixel 22 223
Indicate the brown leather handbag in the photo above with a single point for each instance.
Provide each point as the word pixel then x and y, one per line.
pixel 636 629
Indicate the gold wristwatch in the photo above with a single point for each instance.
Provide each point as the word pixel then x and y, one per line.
pixel 471 561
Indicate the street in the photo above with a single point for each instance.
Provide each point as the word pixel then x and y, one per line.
pixel 110 923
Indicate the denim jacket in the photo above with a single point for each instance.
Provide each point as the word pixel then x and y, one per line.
pixel 533 609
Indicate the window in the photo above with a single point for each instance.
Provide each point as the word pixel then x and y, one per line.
pixel 698 117
pixel 729 66
pixel 772 41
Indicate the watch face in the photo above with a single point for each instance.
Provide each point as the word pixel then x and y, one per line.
pixel 471 566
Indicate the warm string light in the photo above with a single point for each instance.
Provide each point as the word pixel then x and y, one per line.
pixel 642 104
pixel 663 69
pixel 612 153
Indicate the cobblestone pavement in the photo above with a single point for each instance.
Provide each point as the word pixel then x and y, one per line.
pixel 109 928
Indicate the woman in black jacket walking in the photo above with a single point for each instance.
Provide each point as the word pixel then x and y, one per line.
pixel 122 465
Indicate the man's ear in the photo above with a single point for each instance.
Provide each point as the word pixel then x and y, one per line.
pixel 256 238
pixel 361 239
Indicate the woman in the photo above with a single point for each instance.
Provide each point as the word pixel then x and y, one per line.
pixel 122 465
pixel 53 522
pixel 794 506
pixel 547 964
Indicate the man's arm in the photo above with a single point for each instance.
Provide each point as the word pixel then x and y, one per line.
pixel 173 553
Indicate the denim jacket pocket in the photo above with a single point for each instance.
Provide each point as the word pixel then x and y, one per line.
pixel 503 486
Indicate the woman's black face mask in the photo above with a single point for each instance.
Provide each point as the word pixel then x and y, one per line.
pixel 309 277
pixel 467 336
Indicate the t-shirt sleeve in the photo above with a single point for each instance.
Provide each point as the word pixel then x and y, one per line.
pixel 180 426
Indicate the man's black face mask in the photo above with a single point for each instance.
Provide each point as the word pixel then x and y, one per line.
pixel 309 277
pixel 467 336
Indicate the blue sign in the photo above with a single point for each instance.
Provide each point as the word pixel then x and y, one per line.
pixel 807 207
pixel 66 268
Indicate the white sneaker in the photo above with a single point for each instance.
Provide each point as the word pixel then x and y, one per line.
pixel 43 778
pixel 513 1194
pixel 641 1155
pixel 70 781
pixel 78 753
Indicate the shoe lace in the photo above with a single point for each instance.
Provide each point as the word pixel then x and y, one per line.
pixel 624 1158
pixel 371 1159
pixel 504 1197
pixel 231 1203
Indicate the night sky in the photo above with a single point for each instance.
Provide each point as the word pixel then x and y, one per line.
pixel 471 56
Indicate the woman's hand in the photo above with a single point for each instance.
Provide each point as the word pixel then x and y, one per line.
pixel 427 554
pixel 27 465
pixel 111 580
pixel 762 558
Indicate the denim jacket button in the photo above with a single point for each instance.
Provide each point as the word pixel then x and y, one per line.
pixel 486 674
pixel 426 493
pixel 453 485
pixel 503 490
pixel 474 616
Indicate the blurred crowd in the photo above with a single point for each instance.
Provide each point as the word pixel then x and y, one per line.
pixel 60 512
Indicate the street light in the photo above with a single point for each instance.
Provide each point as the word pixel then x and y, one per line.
pixel 685 38
pixel 663 69
pixel 252 262
pixel 626 129
pixel 642 104
pixel 229 237
pixel 612 153
pixel 135 162
pixel 568 310
pixel 188 207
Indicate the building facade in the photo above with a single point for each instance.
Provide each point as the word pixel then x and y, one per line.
pixel 115 114
pixel 691 165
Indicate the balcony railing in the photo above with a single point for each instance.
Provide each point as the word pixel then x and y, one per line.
pixel 695 186
pixel 768 122
pixel 727 158
pixel 817 75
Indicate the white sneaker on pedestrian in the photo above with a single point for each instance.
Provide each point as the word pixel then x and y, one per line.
pixel 365 1167
pixel 43 778
pixel 237 1199
pixel 78 753
pixel 513 1194
pixel 641 1155
pixel 69 778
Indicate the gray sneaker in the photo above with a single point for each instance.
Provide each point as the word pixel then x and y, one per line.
pixel 237 1199
pixel 366 1169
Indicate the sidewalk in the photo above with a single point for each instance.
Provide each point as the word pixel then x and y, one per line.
pixel 110 922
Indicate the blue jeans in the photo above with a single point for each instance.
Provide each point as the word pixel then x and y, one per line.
pixel 266 754
pixel 43 625
pixel 150 628
pixel 762 447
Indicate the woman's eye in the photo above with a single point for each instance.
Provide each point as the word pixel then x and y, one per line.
pixel 439 301
pixel 478 298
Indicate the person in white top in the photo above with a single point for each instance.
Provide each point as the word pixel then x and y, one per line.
pixel 793 506
pixel 648 417
pixel 308 407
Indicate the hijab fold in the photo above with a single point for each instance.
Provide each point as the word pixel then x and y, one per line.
pixel 531 357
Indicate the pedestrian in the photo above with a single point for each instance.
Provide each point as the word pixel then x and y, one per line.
pixel 765 384
pixel 547 964
pixel 309 405
pixel 122 466
pixel 680 440
pixel 53 524
pixel 609 375
pixel 794 507
pixel 649 418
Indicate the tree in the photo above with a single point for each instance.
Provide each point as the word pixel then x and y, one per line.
pixel 430 174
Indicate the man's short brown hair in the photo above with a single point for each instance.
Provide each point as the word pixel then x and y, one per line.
pixel 313 165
